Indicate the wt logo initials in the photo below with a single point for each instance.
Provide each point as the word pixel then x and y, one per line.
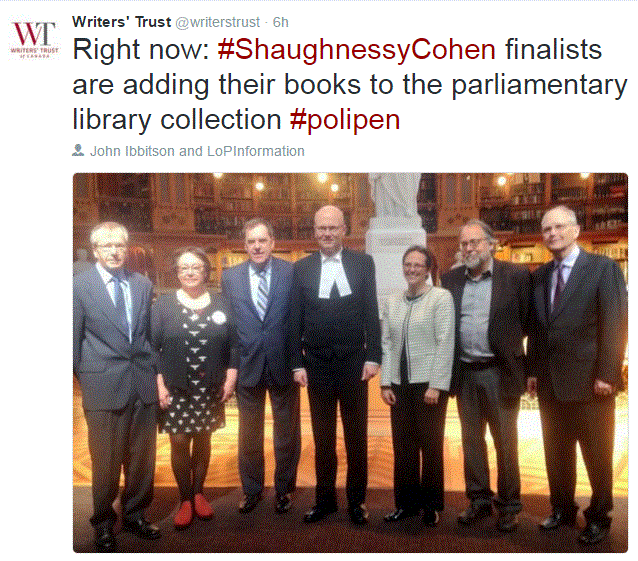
pixel 34 40
pixel 34 31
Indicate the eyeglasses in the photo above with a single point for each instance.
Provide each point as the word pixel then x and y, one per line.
pixel 192 269
pixel 331 229
pixel 471 243
pixel 119 247
pixel 556 228
pixel 413 266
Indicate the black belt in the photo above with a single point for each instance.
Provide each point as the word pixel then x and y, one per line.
pixel 479 365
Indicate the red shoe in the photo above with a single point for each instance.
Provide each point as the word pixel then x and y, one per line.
pixel 184 516
pixel 202 507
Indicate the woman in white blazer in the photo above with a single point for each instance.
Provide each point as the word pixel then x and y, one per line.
pixel 418 349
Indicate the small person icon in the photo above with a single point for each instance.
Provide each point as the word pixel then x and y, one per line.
pixel 78 150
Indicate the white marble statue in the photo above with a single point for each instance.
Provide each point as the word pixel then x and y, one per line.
pixel 394 194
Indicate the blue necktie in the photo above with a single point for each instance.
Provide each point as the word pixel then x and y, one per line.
pixel 262 295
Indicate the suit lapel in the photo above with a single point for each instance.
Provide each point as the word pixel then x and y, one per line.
pixel 457 292
pixel 275 277
pixel 245 286
pixel 348 266
pixel 136 299
pixel 498 286
pixel 575 279
pixel 541 293
pixel 315 273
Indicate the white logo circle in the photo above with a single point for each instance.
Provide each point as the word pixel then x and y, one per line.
pixel 219 317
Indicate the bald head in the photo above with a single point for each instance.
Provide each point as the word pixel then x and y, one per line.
pixel 560 231
pixel 562 213
pixel 331 212
pixel 330 229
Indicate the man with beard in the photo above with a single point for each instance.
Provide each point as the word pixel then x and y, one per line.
pixel 491 299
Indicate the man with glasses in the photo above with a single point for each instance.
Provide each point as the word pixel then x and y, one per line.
pixel 335 350
pixel 577 341
pixel 112 360
pixel 491 298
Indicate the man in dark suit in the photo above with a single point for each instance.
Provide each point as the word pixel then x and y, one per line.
pixel 491 298
pixel 258 292
pixel 335 350
pixel 578 337
pixel 113 361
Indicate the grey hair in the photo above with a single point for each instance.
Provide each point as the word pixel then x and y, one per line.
pixel 258 221
pixel 105 227
pixel 485 227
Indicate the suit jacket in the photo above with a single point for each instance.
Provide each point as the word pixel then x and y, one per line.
pixel 509 308
pixel 586 336
pixel 110 367
pixel 167 339
pixel 339 326
pixel 260 342
pixel 429 338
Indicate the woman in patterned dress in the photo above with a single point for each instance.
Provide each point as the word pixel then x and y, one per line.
pixel 418 349
pixel 191 334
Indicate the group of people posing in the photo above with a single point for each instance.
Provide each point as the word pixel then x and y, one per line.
pixel 277 326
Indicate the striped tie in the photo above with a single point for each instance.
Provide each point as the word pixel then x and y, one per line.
pixel 262 295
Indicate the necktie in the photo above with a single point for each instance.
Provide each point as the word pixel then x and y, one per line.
pixel 560 286
pixel 120 305
pixel 262 295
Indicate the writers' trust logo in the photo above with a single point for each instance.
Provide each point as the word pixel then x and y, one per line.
pixel 34 39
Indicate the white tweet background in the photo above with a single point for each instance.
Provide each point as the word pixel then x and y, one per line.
pixel 551 133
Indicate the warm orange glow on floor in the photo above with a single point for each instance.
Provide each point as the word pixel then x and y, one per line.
pixel 223 468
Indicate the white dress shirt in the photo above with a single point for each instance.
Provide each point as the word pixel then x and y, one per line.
pixel 332 272
pixel 107 277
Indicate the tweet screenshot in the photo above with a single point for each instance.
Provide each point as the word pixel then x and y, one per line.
pixel 285 338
